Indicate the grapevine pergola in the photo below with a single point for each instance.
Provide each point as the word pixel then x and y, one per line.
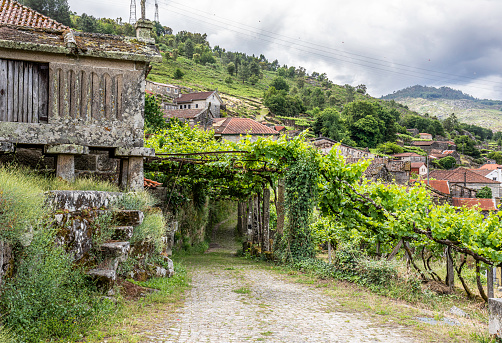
pixel 388 215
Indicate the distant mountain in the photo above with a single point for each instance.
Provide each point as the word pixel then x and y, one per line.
pixel 425 92
pixel 443 101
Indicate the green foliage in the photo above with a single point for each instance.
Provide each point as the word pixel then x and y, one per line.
pixel 151 230
pixel 496 155
pixel 485 192
pixel 467 146
pixel 428 93
pixel 231 68
pixel 140 201
pixel 48 298
pixel 178 74
pixel 447 162
pixel 154 117
pixel 58 10
pixel 282 104
pixel 280 84
pixel 390 148
pixel 328 123
pixel 423 124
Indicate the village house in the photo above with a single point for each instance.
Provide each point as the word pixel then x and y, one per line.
pixel 439 145
pixel 210 100
pixel 413 132
pixel 419 168
pixel 427 136
pixel 162 89
pixel 436 154
pixel 492 171
pixel 385 170
pixel 201 117
pixel 68 92
pixel 235 129
pixel 409 157
pixel 326 144
pixel 466 178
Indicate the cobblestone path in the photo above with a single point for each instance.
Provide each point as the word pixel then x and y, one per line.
pixel 235 301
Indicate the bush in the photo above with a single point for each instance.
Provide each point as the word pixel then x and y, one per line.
pixel 151 230
pixel 389 148
pixel 178 74
pixel 484 193
pixel 48 298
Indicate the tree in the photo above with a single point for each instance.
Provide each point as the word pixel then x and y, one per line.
pixel 189 48
pixel 495 155
pixel 328 123
pixel 154 117
pixel 361 89
pixel 279 83
pixel 58 10
pixel 467 146
pixel 231 68
pixel 447 162
pixel 244 73
pixel 350 93
pixel 484 193
pixel 389 148
pixel 178 74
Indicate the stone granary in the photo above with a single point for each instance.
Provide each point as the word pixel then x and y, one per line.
pixel 67 92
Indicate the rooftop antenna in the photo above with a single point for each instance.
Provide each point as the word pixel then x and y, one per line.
pixel 156 18
pixel 132 13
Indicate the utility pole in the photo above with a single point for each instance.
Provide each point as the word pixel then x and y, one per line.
pixel 156 18
pixel 132 13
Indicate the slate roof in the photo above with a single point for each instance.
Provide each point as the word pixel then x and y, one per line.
pixel 183 114
pixel 457 176
pixel 241 126
pixel 13 13
pixel 25 29
pixel 193 97
pixel 483 204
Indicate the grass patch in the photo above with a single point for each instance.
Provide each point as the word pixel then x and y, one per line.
pixel 242 290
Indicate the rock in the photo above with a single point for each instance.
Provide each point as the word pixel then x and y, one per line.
pixel 458 312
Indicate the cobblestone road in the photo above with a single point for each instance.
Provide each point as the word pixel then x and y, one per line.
pixel 241 302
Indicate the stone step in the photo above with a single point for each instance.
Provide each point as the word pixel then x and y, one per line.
pixel 122 233
pixel 128 217
pixel 115 250
pixel 105 278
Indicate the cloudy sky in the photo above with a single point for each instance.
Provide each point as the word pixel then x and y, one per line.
pixel 386 44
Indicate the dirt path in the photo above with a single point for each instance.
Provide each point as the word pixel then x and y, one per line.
pixel 233 300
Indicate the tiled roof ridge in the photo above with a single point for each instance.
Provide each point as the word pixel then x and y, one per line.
pixel 17 14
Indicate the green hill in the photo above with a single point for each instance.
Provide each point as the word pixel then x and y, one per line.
pixel 442 102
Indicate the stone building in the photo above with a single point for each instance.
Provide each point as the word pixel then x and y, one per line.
pixel 439 145
pixel 409 157
pixel 67 92
pixel 326 144
pixel 200 100
pixel 234 129
pixel 466 178
pixel 201 117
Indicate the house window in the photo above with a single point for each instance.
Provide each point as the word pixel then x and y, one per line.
pixel 495 178
pixel 24 91
pixel 185 106
pixel 181 107
pixel 189 106
pixel 175 91
pixel 196 105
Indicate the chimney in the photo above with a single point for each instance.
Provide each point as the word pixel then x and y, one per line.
pixel 144 29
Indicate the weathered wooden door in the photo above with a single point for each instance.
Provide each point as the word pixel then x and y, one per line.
pixel 24 91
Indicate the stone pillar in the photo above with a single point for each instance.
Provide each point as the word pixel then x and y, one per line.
pixel 65 158
pixel 144 28
pixel 495 323
pixel 131 166
pixel 266 218
pixel 280 207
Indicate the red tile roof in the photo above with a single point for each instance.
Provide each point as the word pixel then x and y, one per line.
pixel 407 154
pixel 13 13
pixel 150 183
pixel 241 126
pixel 279 128
pixel 439 185
pixel 192 97
pixel 417 165
pixel 458 175
pixel 481 204
pixel 491 166
pixel 419 143
pixel 183 114
pixel 483 172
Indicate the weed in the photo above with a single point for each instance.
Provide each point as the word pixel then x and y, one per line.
pixel 242 290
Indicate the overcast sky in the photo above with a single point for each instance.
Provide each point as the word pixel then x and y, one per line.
pixel 386 44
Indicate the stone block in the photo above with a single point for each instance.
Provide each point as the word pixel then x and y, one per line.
pixel 80 200
pixel 105 163
pixel 135 175
pixel 65 167
pixel 134 152
pixel 129 217
pixel 495 323
pixel 6 147
pixel 66 149
pixel 86 162
pixel 32 158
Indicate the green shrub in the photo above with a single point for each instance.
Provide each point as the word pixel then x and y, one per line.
pixel 151 230
pixel 47 298
pixel 135 201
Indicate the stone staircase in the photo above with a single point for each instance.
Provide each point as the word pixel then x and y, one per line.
pixel 117 249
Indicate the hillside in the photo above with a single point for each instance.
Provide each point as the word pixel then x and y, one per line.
pixel 441 102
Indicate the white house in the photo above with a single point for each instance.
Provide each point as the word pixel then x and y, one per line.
pixel 198 100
